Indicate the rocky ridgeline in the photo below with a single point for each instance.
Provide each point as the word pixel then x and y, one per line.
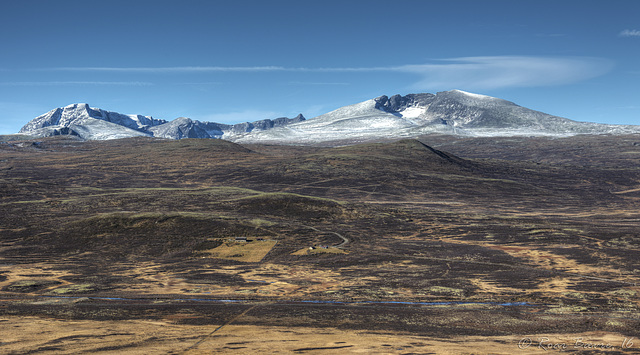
pixel 94 123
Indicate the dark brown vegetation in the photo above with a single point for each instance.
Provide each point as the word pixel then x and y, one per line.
pixel 124 229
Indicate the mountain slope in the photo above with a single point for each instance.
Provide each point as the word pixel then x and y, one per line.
pixel 450 112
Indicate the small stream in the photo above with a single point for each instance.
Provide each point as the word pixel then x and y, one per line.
pixel 347 303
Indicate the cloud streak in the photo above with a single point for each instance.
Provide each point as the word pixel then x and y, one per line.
pixel 487 72
pixel 216 69
pixel 172 69
pixel 506 72
pixel 629 33
pixel 63 83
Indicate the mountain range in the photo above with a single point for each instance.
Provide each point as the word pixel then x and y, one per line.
pixel 449 112
pixel 98 124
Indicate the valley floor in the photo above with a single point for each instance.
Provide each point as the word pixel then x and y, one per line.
pixel 502 245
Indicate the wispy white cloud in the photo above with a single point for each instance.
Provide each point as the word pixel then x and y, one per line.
pixel 629 33
pixel 62 83
pixel 506 71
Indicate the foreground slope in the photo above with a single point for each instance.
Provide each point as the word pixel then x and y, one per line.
pixel 206 245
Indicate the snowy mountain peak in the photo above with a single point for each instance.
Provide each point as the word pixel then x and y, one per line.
pixel 80 119
pixel 62 116
pixel 77 106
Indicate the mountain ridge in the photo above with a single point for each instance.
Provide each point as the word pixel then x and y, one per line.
pixel 453 112
pixel 97 124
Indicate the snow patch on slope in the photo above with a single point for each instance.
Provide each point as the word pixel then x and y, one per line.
pixel 96 129
pixel 474 96
pixel 474 100
pixel 412 112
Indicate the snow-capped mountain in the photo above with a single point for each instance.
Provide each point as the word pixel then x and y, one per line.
pixel 97 124
pixel 89 123
pixel 448 112
pixel 179 128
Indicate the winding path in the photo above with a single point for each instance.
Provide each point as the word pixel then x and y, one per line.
pixel 345 240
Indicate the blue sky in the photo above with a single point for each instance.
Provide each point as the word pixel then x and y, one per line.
pixel 236 61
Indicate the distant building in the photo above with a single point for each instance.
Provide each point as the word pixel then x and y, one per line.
pixel 241 239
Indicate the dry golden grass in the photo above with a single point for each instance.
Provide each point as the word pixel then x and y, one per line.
pixel 165 336
pixel 250 252
pixel 234 339
pixel 22 335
